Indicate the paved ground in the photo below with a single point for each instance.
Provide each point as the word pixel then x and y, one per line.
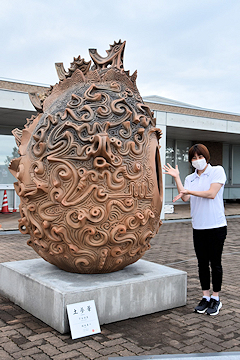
pixel 177 331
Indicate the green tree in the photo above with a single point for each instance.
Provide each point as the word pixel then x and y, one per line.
pixel 15 154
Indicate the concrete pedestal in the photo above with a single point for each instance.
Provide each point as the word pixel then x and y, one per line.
pixel 202 356
pixel 44 291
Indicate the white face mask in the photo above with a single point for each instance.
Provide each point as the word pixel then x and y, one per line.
pixel 199 164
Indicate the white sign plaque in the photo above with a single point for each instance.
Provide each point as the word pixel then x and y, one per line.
pixel 83 319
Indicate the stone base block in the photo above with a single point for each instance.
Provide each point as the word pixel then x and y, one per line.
pixel 202 356
pixel 139 289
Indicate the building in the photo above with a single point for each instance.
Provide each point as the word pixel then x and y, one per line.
pixel 182 125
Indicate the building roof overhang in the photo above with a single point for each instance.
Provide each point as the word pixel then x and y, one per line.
pixel 159 103
pixel 15 108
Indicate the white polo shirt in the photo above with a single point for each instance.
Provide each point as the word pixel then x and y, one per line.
pixel 207 213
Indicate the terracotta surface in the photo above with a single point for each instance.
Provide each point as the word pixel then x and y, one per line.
pixel 181 212
pixel 89 174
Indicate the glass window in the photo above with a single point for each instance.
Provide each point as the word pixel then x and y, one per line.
pixel 170 158
pixel 182 158
pixel 225 162
pixel 235 164
pixel 168 195
pixel 8 151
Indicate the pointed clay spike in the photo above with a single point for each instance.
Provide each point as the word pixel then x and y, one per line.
pixel 60 71
pixel 35 100
pixel 17 133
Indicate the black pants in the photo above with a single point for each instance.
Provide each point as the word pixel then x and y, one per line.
pixel 208 246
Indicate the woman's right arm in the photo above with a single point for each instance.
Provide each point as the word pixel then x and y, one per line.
pixel 174 172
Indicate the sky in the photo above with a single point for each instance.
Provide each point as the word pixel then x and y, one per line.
pixel 185 50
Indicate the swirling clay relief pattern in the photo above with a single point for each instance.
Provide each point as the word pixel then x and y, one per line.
pixel 89 171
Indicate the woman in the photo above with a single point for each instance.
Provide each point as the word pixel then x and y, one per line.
pixel 205 188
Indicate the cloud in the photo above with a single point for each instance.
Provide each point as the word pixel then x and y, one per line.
pixel 187 50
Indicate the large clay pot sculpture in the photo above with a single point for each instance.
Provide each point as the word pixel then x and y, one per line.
pixel 89 171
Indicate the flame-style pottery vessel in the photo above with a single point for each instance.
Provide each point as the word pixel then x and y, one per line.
pixel 89 172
